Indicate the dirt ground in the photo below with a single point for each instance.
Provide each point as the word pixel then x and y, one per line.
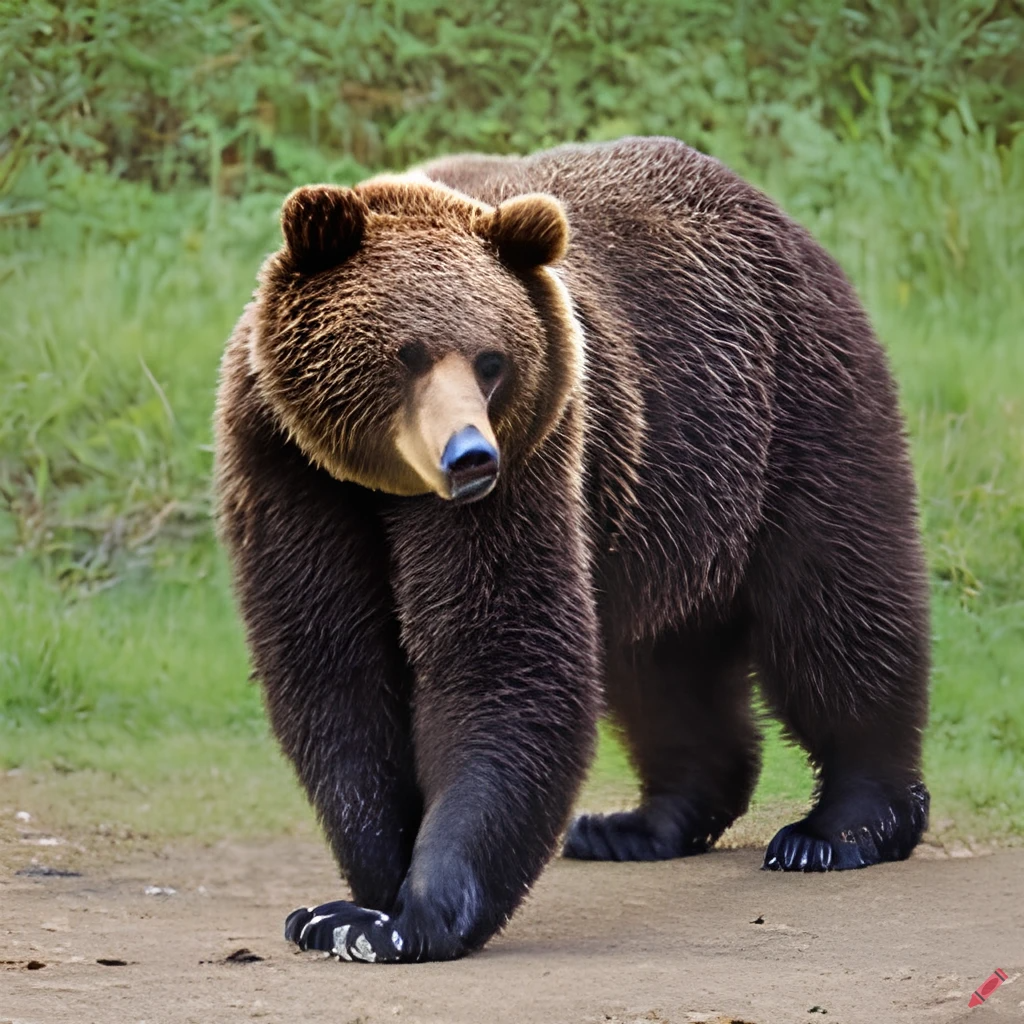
pixel 707 939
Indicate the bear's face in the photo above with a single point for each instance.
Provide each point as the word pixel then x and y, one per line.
pixel 411 339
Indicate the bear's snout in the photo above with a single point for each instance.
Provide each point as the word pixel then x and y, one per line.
pixel 470 465
pixel 444 434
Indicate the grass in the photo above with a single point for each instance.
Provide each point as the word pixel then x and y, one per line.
pixel 141 164
pixel 239 93
pixel 121 659
pixel 134 706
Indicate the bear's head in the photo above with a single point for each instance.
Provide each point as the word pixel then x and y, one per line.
pixel 411 339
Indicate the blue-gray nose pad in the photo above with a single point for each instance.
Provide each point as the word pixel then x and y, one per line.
pixel 470 465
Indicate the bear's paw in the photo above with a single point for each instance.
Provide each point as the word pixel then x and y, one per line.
pixel 672 829
pixel 866 827
pixel 346 931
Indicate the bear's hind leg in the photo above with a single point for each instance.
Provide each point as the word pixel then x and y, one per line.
pixel 843 662
pixel 870 806
pixel 683 703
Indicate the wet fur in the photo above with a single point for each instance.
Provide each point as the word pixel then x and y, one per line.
pixel 719 490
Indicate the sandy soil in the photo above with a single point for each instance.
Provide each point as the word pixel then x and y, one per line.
pixel 707 939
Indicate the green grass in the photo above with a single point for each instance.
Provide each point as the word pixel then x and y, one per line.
pixel 142 158
pixel 239 93
pixel 121 659
pixel 135 705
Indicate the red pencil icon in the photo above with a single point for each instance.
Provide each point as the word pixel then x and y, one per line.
pixel 992 982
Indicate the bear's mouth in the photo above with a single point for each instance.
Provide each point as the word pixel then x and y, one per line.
pixel 473 490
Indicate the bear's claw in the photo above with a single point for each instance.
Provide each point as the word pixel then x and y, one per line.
pixel 793 850
pixel 345 930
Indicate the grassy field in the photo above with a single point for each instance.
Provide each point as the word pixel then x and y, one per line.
pixel 123 675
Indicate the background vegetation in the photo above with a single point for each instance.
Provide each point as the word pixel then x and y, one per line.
pixel 144 150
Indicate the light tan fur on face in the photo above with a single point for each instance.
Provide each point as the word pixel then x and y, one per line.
pixel 403 260
pixel 446 399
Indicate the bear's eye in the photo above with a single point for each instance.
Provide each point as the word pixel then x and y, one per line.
pixel 489 368
pixel 414 355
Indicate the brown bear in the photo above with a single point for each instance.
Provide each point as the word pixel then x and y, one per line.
pixel 504 442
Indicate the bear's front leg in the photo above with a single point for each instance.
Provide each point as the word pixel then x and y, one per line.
pixel 499 624
pixel 310 560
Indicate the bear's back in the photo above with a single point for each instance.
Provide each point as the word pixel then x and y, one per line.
pixel 678 365
pixel 600 183
pixel 720 340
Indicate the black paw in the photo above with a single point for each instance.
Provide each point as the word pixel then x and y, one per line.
pixel 793 849
pixel 859 831
pixel 347 931
pixel 655 833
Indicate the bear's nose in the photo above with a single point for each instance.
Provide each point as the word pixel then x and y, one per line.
pixel 470 465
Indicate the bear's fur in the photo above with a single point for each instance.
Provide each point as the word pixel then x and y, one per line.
pixel 703 478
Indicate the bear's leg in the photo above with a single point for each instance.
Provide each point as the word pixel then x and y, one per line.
pixel 337 687
pixel 311 572
pixel 871 804
pixel 842 654
pixel 499 623
pixel 683 703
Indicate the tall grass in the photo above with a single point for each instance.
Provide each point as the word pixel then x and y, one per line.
pixel 237 93
pixel 139 179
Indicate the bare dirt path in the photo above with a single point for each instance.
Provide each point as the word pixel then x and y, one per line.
pixel 707 939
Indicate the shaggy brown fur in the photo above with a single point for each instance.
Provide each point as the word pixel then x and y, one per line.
pixel 703 475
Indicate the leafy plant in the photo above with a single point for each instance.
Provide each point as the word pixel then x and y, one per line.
pixel 238 94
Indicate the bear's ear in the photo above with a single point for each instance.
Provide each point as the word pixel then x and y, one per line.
pixel 530 230
pixel 323 225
